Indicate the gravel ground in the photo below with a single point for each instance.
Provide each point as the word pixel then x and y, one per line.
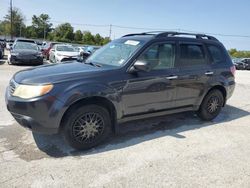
pixel 172 151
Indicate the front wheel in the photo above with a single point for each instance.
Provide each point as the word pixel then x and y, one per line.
pixel 211 105
pixel 86 126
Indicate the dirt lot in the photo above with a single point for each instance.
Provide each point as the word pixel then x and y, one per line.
pixel 174 151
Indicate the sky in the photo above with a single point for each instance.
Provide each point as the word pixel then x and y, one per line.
pixel 223 17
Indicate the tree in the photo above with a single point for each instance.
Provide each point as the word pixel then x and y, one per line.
pixel 88 38
pixel 239 54
pixel 18 23
pixel 41 26
pixel 64 33
pixel 78 36
pixel 98 39
pixel 106 40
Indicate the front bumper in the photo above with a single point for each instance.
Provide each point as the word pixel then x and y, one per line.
pixel 42 114
pixel 66 58
pixel 25 60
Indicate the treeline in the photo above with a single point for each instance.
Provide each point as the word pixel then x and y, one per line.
pixel 239 54
pixel 42 28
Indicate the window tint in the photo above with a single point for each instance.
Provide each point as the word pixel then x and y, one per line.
pixel 216 54
pixel 191 54
pixel 160 55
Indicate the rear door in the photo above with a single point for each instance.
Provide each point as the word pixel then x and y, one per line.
pixel 194 75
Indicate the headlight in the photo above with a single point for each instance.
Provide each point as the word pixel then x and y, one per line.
pixel 59 54
pixel 30 91
pixel 14 54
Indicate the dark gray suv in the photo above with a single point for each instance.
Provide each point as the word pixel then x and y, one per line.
pixel 137 76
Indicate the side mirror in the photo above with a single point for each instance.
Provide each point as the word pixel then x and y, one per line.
pixel 142 66
pixel 52 50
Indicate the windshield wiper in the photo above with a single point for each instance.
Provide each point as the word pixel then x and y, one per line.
pixel 93 64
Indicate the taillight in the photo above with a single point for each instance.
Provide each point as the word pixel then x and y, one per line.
pixel 233 70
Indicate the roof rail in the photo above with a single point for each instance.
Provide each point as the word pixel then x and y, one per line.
pixel 159 34
pixel 134 34
pixel 197 35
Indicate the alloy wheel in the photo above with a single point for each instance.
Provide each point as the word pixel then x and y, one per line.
pixel 88 127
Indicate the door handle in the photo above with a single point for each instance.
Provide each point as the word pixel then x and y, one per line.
pixel 209 73
pixel 172 77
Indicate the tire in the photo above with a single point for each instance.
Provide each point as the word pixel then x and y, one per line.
pixel 211 105
pixel 78 130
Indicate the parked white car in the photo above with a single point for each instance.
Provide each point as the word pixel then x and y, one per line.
pixel 63 52
pixel 9 45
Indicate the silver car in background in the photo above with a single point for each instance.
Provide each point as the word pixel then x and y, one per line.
pixel 63 52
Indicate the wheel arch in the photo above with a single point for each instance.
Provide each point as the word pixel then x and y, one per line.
pixel 97 100
pixel 222 90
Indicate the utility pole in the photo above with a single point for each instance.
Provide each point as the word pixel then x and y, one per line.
pixel 110 31
pixel 20 30
pixel 44 34
pixel 11 20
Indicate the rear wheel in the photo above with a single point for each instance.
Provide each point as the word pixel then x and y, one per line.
pixel 86 126
pixel 211 105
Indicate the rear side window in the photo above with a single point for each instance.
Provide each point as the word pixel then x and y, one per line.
pixel 216 54
pixel 192 54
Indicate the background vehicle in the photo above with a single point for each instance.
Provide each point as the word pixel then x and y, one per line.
pixel 62 52
pixel 81 49
pixel 246 62
pixel 137 76
pixel 1 52
pixel 46 49
pixel 25 40
pixel 91 49
pixel 240 65
pixel 25 53
pixel 9 45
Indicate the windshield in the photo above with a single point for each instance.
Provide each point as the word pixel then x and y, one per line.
pixel 26 46
pixel 65 48
pixel 115 53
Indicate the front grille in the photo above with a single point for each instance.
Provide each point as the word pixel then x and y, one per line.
pixel 12 86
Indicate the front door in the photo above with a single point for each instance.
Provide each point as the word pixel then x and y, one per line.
pixel 152 91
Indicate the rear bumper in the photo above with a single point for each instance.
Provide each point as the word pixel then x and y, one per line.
pixel 230 89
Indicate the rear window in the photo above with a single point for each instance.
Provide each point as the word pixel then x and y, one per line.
pixel 192 54
pixel 216 54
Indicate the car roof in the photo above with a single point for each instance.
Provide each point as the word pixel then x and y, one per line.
pixel 25 40
pixel 170 35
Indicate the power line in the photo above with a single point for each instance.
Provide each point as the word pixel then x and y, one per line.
pixel 110 26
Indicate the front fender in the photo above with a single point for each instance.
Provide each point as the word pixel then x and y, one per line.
pixel 78 91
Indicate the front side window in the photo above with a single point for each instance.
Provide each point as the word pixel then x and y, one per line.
pixel 192 54
pixel 216 54
pixel 160 55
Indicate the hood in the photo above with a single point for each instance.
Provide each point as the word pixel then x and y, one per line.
pixel 67 53
pixel 55 73
pixel 25 51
